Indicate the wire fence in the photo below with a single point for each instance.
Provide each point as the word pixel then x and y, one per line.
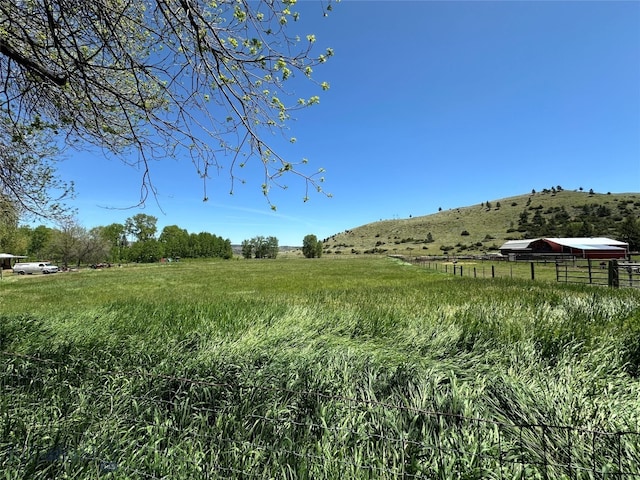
pixel 79 422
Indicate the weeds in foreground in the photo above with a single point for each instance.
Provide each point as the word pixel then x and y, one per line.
pixel 351 369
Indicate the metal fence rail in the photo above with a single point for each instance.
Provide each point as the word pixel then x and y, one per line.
pixel 172 427
pixel 612 273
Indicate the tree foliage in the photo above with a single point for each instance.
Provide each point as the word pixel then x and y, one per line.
pixel 260 247
pixel 311 246
pixel 630 232
pixel 141 226
pixel 29 185
pixel 163 78
pixel 71 244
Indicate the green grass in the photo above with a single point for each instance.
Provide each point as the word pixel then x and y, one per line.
pixel 325 368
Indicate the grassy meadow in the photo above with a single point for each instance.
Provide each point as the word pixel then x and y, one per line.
pixel 355 367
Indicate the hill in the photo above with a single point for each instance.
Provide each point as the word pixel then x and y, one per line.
pixel 483 228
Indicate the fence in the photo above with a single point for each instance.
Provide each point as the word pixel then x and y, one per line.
pixel 172 427
pixel 483 267
pixel 611 273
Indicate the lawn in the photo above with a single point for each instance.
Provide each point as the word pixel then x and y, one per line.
pixel 320 368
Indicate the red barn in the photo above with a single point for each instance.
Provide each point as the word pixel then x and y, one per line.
pixel 590 247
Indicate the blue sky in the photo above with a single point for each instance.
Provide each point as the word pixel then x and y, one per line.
pixel 432 105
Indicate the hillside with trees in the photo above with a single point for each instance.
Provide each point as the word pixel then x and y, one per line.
pixel 484 227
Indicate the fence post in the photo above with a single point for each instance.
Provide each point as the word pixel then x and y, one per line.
pixel 589 266
pixel 460 270
pixel 493 271
pixel 533 273
pixel 614 277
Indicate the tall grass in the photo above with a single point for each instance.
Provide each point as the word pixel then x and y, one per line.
pixel 354 368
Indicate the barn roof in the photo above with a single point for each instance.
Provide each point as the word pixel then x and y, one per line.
pixel 582 243
pixel 517 244
pixel 579 242
pixel 598 247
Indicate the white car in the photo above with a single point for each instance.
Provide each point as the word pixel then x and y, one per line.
pixel 34 267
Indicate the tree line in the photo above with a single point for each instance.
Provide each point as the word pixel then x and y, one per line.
pixel 135 240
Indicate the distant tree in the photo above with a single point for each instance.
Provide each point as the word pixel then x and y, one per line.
pixel 559 188
pixel 536 228
pixel 66 242
pixel 221 248
pixel 259 244
pixel 92 248
pixel 115 236
pixel 429 238
pixel 629 231
pixel 488 204
pixel 272 247
pixel 148 251
pixel 20 241
pixel 9 219
pixel 260 247
pixel 603 211
pixel 586 229
pixel 174 241
pixel 73 244
pixel 533 191
pixel 591 192
pixel 523 221
pixel 141 226
pixel 247 248
pixel 311 246
pixel 498 205
pixel 39 241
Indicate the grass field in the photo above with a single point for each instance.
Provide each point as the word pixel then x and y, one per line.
pixel 334 367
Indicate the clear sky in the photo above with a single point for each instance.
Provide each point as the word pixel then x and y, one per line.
pixel 432 105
